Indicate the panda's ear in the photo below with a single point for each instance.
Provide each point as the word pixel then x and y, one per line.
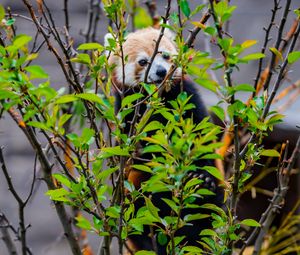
pixel 170 34
pixel 107 37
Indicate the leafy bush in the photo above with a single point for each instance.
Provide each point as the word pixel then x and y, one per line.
pixel 89 150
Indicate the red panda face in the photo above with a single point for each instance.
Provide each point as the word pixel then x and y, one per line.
pixel 138 50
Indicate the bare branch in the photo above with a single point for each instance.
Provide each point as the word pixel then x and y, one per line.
pixel 278 199
pixel 21 205
pixel 4 226
pixel 47 170
pixel 283 176
pixel 161 34
pixel 190 40
pixel 281 73
pixel 277 43
pixel 266 41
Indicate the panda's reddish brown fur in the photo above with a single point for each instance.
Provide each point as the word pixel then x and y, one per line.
pixel 139 46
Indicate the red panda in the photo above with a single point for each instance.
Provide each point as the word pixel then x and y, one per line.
pixel 138 49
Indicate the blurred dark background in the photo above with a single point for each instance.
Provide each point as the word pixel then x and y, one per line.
pixel 45 236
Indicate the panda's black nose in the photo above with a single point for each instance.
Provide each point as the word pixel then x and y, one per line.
pixel 161 71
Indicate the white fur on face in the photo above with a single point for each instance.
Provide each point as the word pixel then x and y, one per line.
pixel 129 71
pixel 133 79
pixel 159 62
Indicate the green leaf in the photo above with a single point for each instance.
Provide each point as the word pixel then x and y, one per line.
pixel 32 56
pixel 36 72
pixel 10 22
pixel 2 13
pixel 63 119
pixel 152 209
pixel 131 98
pixel 113 151
pixel 205 192
pixel 253 56
pixel 250 223
pixel 142 18
pixel 244 87
pixel 82 58
pixel 195 216
pixel 40 125
pixel 225 43
pixel 276 52
pixel 153 125
pixel 208 84
pixel 143 252
pixel 143 168
pixel 57 194
pixel 270 153
pixel 293 57
pixel 91 46
pixel 153 149
pixel 192 250
pixel 6 94
pixel 90 97
pixel 113 211
pixel 62 179
pixel 20 40
pixel 192 182
pixel 208 232
pixel 248 43
pixel 214 172
pixel 66 99
pixel 219 111
pixel 171 204
pixel 162 238
pixel 105 173
pixel 83 222
pixel 275 119
pixel 87 136
pixel 210 30
pixel 185 8
pixel 215 208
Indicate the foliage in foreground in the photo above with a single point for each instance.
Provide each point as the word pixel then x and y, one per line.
pixel 87 150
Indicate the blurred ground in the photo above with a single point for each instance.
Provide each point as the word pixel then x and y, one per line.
pixel 45 234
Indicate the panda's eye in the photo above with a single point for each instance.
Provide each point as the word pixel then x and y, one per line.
pixel 143 62
pixel 166 55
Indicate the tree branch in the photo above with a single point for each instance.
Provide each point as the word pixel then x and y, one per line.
pixel 283 176
pixel 266 41
pixel 281 73
pixel 47 170
pixel 278 199
pixel 277 43
pixel 4 226
pixel 21 205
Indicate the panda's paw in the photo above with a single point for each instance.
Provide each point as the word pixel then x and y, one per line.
pixel 208 181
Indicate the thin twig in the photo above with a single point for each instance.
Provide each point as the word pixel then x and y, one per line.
pixel 278 199
pixel 75 81
pixel 67 20
pixel 21 205
pixel 237 158
pixel 281 73
pixel 161 34
pixel 4 226
pixel 47 170
pixel 192 36
pixel 277 43
pixel 266 41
